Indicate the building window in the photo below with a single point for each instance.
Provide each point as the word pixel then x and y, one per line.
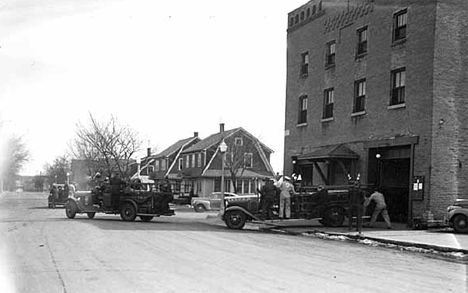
pixel 362 41
pixel 328 103
pixel 398 86
pixel 305 64
pixel 156 165
pixel 150 169
pixel 359 95
pixel 302 117
pixel 330 55
pixel 248 160
pixel 163 164
pixel 181 164
pixel 238 141
pixel 399 25
pixel 193 161
pixel 199 163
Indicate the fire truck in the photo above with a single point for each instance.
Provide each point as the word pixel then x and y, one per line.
pixel 130 201
pixel 328 204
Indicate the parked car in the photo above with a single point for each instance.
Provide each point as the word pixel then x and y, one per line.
pixel 210 203
pixel 61 199
pixel 458 215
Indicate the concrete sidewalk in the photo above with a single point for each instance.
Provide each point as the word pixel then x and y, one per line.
pixel 441 241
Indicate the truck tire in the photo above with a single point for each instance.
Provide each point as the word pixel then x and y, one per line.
pixel 146 218
pixel 460 224
pixel 71 209
pixel 91 215
pixel 333 216
pixel 199 208
pixel 128 212
pixel 235 219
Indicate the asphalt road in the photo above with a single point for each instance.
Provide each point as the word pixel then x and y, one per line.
pixel 43 251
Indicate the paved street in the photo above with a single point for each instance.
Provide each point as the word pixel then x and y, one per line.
pixel 43 251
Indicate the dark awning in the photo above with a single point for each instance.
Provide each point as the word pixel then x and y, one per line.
pixel 330 152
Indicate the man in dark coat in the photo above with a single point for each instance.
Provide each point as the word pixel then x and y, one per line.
pixel 268 193
pixel 356 205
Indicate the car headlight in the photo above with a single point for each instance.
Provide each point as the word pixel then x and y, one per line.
pixel 451 208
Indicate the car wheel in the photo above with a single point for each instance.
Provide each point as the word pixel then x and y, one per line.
pixel 460 224
pixel 71 209
pixel 199 208
pixel 146 218
pixel 91 215
pixel 235 219
pixel 128 212
pixel 333 217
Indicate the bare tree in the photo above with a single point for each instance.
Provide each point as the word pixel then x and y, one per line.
pixel 239 158
pixel 107 146
pixel 13 156
pixel 57 172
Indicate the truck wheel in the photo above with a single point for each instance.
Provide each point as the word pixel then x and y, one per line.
pixel 146 218
pixel 91 215
pixel 199 208
pixel 128 212
pixel 333 217
pixel 460 224
pixel 71 209
pixel 235 219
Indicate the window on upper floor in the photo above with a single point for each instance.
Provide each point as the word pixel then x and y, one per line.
pixel 163 164
pixel 238 141
pixel 359 96
pixel 156 165
pixel 328 101
pixel 150 169
pixel 330 54
pixel 361 41
pixel 193 160
pixel 304 64
pixel 399 25
pixel 181 163
pixel 398 87
pixel 248 160
pixel 199 161
pixel 187 161
pixel 302 115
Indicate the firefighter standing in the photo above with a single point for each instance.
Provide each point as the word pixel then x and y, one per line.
pixel 268 193
pixel 356 201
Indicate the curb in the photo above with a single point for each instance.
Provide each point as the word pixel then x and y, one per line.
pixel 459 254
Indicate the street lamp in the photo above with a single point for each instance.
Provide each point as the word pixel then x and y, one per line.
pixel 222 149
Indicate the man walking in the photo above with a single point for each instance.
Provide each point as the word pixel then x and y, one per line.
pixel 380 208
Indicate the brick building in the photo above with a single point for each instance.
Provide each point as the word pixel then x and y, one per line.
pixel 379 88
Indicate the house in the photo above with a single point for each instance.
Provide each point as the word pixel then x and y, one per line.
pixel 195 164
pixel 378 88
pixel 246 162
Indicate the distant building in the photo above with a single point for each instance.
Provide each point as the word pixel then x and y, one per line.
pixel 379 88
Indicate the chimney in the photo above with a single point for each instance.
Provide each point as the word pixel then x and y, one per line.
pixel 221 128
pixel 148 150
pixel 195 134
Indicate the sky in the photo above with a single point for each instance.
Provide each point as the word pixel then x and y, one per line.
pixel 167 69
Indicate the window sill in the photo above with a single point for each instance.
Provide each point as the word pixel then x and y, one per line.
pixel 302 124
pixel 327 119
pixel 361 56
pixel 360 113
pixel 397 106
pixel 329 66
pixel 398 42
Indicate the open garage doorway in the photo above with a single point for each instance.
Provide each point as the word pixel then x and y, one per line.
pixel 389 169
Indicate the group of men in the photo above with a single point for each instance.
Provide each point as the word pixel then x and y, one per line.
pixel 59 193
pixel 358 202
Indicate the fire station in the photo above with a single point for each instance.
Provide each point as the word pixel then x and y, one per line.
pixel 378 89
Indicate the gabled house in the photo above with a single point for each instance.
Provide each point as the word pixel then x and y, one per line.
pixel 247 161
pixel 158 166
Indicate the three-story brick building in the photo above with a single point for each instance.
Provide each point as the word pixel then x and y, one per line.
pixel 379 88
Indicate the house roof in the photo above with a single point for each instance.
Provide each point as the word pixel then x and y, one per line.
pixel 211 140
pixel 245 174
pixel 330 152
pixel 175 147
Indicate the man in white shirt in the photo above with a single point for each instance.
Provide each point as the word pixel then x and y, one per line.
pixel 287 189
pixel 380 208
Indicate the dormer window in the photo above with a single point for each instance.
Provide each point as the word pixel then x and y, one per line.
pixel 238 141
